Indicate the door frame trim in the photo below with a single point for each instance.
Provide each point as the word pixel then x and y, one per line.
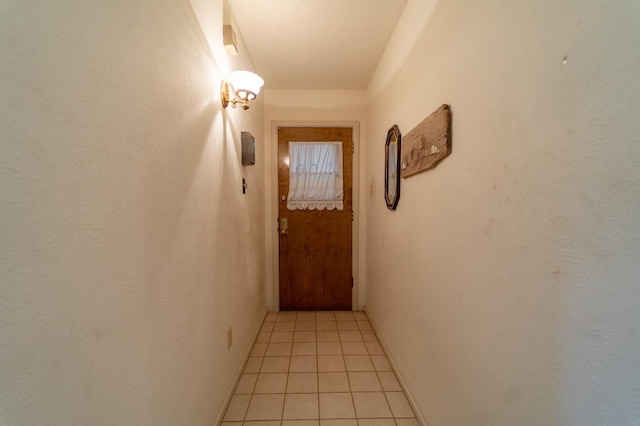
pixel 271 213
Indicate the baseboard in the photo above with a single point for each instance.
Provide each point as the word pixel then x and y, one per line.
pixel 419 417
pixel 227 400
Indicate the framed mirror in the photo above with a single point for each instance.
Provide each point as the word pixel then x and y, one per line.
pixel 392 168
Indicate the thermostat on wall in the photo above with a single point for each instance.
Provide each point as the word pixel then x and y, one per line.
pixel 248 149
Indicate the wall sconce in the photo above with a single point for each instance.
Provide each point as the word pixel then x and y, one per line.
pixel 246 86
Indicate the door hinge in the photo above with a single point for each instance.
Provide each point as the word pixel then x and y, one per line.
pixel 351 282
pixel 353 147
pixel 353 216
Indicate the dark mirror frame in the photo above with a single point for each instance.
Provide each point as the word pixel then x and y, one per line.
pixel 389 198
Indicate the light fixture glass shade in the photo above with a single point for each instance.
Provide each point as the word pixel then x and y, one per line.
pixel 246 84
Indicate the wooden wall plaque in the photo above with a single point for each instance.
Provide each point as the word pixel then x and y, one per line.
pixel 427 144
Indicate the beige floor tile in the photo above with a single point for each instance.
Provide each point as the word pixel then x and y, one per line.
pixel 358 363
pixel 301 406
pixel 271 383
pixel 264 337
pixel 336 406
pixel 339 422
pixel 347 325
pixel 306 326
pixel 267 327
pixel 380 363
pixel 284 326
pixel 303 364
pixel 326 326
pixel 368 336
pixel 300 423
pixel 237 408
pixel 364 325
pixel 253 364
pixel 278 349
pixel 354 348
pixel 231 424
pixel 259 349
pixel 371 405
pixel 286 316
pixel 374 348
pixel 344 315
pixel 389 381
pixel 325 316
pixel 364 381
pixel 275 364
pixel 329 348
pixel 304 336
pixel 407 422
pixel 246 384
pixel 328 363
pixel 302 383
pixel 360 316
pixel 281 337
pixel 350 336
pixel 270 317
pixel 304 348
pixel 333 382
pixel 265 407
pixel 375 422
pixel 305 316
pixel 262 423
pixel 399 405
pixel 328 336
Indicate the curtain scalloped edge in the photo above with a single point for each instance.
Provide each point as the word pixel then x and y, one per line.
pixel 315 205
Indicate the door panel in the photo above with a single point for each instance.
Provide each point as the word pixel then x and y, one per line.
pixel 315 250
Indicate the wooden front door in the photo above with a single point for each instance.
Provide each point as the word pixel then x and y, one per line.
pixel 315 245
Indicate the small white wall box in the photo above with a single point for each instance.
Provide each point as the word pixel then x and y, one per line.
pixel 229 40
pixel 248 149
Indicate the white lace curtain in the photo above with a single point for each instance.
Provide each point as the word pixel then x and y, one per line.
pixel 315 176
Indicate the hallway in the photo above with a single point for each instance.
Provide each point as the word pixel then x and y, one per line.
pixel 318 368
pixel 135 238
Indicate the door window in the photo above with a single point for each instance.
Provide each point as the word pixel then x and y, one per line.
pixel 315 176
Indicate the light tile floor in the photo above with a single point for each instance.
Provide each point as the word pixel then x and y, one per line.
pixel 318 369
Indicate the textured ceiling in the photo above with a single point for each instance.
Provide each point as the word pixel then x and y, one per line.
pixel 316 44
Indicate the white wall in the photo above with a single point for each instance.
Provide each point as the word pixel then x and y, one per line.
pixel 127 247
pixel 506 283
pixel 314 108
